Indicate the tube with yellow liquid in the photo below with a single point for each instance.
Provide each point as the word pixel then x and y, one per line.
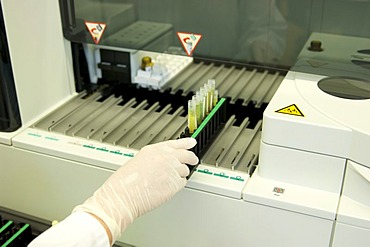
pixel 192 119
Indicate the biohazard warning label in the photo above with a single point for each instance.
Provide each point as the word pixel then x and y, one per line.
pixel 96 30
pixel 291 110
pixel 189 41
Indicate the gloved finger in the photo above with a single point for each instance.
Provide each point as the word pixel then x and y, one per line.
pixel 183 143
pixel 186 156
pixel 182 170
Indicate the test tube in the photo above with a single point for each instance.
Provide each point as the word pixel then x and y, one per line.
pixel 198 107
pixel 215 97
pixel 208 97
pixel 202 105
pixel 192 120
pixel 203 93
pixel 212 85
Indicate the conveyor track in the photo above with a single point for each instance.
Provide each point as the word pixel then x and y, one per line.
pixel 130 119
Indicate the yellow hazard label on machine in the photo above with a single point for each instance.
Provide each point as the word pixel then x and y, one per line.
pixel 291 110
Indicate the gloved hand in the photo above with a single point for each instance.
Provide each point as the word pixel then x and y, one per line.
pixel 145 182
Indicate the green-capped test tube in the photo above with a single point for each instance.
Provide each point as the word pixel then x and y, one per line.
pixel 192 120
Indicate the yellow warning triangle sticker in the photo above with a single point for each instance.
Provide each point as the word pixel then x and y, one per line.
pixel 96 30
pixel 189 41
pixel 291 110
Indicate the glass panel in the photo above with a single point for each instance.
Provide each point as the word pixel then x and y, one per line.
pixel 347 88
pixel 267 32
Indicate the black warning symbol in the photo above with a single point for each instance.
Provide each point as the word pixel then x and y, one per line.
pixel 291 110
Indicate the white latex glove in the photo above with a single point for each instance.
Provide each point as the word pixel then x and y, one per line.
pixel 145 182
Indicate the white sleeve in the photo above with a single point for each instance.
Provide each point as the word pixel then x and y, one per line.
pixel 78 229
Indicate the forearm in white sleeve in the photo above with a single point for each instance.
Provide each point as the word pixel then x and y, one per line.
pixel 78 229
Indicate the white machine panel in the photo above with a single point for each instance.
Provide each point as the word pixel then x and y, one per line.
pixel 290 165
pixel 355 202
pixel 213 220
pixel 86 151
pixel 349 235
pixel 46 81
pixel 218 181
pixel 353 220
pixel 313 131
pixel 291 197
pixel 317 139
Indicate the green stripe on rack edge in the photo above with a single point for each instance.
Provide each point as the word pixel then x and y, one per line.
pixel 16 235
pixel 210 115
pixel 6 226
